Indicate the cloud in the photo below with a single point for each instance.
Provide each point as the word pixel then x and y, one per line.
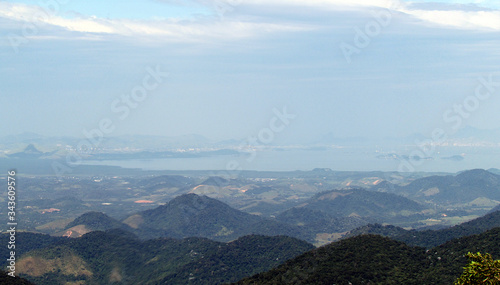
pixel 456 15
pixel 310 3
pixel 471 20
pixel 242 22
pixel 170 29
pixel 477 15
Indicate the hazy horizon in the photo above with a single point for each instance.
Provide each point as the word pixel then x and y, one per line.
pixel 230 65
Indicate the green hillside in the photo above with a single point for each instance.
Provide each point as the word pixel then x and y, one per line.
pixel 96 221
pixel 363 203
pixel 191 215
pixel 8 280
pixel 367 259
pixel 107 257
pixel 373 259
pixel 465 187
pixel 432 238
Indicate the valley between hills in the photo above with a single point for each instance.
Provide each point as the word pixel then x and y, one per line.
pixel 316 227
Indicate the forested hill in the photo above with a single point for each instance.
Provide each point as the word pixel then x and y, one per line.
pixel 96 221
pixel 362 203
pixel 8 280
pixel 191 215
pixel 115 257
pixel 364 259
pixel 432 238
pixel 464 187
pixel 373 259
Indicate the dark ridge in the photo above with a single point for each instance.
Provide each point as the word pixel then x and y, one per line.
pixel 432 238
pixel 96 221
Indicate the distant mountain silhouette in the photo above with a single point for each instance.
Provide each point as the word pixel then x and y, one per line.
pixel 462 188
pixel 26 137
pixel 215 181
pixel 165 181
pixel 30 152
pixel 333 138
pixel 475 134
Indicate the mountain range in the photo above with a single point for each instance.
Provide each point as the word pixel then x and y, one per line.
pixel 116 256
pixel 111 251
pixel 361 203
pixel 191 215
pixel 330 214
pixel 464 187
pixel 431 238
pixel 125 141
pixel 465 136
pixel 188 215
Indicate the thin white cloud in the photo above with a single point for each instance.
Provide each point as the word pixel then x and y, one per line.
pixel 473 20
pixel 462 19
pixel 173 29
pixel 457 16
pixel 324 3
pixel 221 4
pixel 230 28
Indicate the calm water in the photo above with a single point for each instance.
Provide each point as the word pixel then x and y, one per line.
pixel 353 159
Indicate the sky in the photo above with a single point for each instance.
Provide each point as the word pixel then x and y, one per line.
pixel 224 69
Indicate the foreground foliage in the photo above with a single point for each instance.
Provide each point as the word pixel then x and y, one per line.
pixel 482 269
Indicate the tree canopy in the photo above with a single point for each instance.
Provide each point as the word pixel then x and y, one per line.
pixel 482 269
